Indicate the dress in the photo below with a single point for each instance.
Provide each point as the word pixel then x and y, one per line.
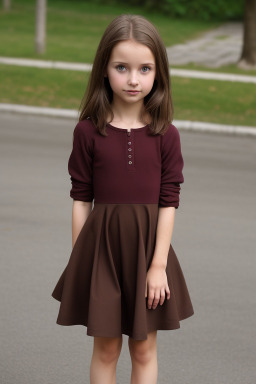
pixel 128 175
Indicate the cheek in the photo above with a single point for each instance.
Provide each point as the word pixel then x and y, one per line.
pixel 116 79
pixel 148 81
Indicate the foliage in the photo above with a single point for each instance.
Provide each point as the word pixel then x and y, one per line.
pixel 188 9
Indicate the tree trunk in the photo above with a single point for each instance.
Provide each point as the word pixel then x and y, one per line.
pixel 40 26
pixel 7 5
pixel 248 56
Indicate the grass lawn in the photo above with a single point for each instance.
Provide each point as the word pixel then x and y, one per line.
pixel 194 99
pixel 74 29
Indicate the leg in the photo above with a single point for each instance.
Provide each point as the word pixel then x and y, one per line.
pixel 106 351
pixel 144 359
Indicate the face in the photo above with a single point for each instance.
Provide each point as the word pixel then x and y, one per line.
pixel 131 67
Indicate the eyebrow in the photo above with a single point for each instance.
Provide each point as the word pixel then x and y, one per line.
pixel 122 62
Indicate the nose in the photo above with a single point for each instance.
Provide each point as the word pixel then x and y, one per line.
pixel 133 78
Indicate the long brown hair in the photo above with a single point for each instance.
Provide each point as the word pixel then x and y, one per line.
pixel 96 102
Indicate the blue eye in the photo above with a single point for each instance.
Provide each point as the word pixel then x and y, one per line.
pixel 122 66
pixel 118 66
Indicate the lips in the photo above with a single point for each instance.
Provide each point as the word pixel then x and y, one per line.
pixel 132 92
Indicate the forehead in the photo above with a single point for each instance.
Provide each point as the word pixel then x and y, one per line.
pixel 132 52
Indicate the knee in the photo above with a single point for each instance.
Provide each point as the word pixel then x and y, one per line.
pixel 107 349
pixel 142 352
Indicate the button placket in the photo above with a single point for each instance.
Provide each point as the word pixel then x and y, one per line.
pixel 130 150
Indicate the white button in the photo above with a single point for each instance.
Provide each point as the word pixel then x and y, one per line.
pixel 130 162
pixel 129 149
pixel 129 142
pixel 129 155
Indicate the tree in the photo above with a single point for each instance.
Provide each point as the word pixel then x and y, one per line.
pixel 7 5
pixel 40 26
pixel 248 56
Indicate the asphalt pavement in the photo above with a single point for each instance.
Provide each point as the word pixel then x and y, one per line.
pixel 214 239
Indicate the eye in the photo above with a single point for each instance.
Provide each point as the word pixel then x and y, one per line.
pixel 118 66
pixel 147 68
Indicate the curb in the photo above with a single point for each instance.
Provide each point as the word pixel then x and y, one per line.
pixel 205 75
pixel 88 67
pixel 43 111
pixel 187 125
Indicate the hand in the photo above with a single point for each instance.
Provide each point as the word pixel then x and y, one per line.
pixel 156 285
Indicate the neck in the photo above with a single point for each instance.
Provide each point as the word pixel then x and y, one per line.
pixel 131 114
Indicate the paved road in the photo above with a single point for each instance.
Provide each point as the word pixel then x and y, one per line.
pixel 220 46
pixel 214 238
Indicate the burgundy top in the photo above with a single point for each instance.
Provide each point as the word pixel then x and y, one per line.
pixel 126 167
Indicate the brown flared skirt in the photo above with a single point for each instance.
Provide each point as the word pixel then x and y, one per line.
pixel 103 284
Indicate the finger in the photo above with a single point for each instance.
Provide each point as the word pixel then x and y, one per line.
pixel 150 297
pixel 168 292
pixel 162 298
pixel 156 298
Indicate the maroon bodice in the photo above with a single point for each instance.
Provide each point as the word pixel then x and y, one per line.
pixel 127 166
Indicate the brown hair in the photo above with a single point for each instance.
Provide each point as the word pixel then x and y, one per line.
pixel 96 102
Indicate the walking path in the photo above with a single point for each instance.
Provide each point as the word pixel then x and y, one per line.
pixel 221 46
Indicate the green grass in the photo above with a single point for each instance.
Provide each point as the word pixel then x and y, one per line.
pixel 214 101
pixel 42 87
pixel 74 29
pixel 194 99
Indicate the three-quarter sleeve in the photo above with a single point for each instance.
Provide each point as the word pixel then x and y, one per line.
pixel 80 165
pixel 171 168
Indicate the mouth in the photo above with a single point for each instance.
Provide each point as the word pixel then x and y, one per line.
pixel 133 92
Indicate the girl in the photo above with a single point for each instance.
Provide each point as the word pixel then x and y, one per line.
pixel 123 276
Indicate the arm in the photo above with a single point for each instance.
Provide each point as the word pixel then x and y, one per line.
pixel 80 167
pixel 163 236
pixel 156 282
pixel 171 178
pixel 80 213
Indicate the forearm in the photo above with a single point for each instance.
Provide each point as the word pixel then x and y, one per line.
pixel 80 213
pixel 163 236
